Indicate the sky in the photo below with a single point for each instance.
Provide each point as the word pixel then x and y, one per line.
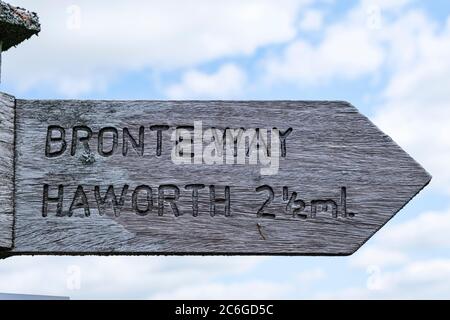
pixel 388 58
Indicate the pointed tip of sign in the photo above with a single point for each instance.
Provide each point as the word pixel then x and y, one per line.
pixel 410 177
pixel 424 180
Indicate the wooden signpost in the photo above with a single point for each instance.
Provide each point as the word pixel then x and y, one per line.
pixel 100 177
pixel 196 177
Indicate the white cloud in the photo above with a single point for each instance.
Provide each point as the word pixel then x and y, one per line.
pixel 83 39
pixel 312 20
pixel 416 112
pixel 309 277
pixel 380 256
pixel 372 37
pixel 241 290
pixel 348 51
pixel 429 230
pixel 228 81
pixel 115 277
pixel 384 5
pixel 248 289
pixel 395 244
pixel 429 279
pixel 346 54
pixel 393 267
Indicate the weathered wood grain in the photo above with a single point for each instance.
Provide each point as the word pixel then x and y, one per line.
pixel 6 170
pixel 331 147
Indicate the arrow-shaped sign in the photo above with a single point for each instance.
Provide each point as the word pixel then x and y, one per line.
pixel 196 177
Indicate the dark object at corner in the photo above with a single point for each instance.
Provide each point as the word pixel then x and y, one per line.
pixel 16 25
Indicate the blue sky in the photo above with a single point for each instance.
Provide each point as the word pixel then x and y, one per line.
pixel 388 58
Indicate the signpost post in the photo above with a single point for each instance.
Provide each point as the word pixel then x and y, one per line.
pixel 195 177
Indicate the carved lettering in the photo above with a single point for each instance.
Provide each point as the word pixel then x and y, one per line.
pixel 143 189
pixel 84 140
pixel 110 197
pixel 51 140
pixel 80 202
pixel 59 200
pixel 141 201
